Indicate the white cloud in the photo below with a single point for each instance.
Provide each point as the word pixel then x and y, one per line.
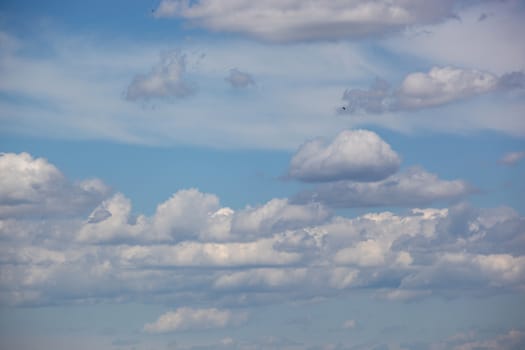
pixel 239 79
pixel 34 187
pixel 261 278
pixel 359 155
pixel 165 80
pixel 112 221
pixel 186 318
pixel 442 85
pixel 295 20
pixel 186 214
pixel 283 251
pixel 275 216
pixel 437 87
pixel 512 158
pixel 415 186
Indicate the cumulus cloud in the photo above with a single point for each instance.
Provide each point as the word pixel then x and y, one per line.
pixel 193 319
pixel 192 250
pixel 438 86
pixel 275 216
pixel 239 79
pixel 415 186
pixel 358 155
pixel 34 187
pixel 512 158
pixel 294 20
pixel 165 80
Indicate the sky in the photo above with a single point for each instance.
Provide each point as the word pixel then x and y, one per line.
pixel 236 174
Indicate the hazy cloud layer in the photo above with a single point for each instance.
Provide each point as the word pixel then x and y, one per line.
pixel 358 155
pixel 439 86
pixel 412 187
pixel 193 319
pixel 295 20
pixel 165 80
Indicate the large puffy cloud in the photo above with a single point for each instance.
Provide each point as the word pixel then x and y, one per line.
pixel 165 80
pixel 295 20
pixel 194 319
pixel 194 251
pixel 359 155
pixel 34 187
pixel 399 256
pixel 438 86
pixel 193 215
pixel 415 186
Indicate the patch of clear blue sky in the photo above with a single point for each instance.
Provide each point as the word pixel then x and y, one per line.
pixel 310 323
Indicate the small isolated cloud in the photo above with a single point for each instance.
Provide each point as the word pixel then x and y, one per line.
pixel 34 187
pixel 297 20
pixel 239 79
pixel 165 80
pixel 512 158
pixel 358 155
pixel 439 86
pixel 186 318
pixel 412 187
pixel 349 324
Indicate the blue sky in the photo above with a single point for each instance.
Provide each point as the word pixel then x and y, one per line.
pixel 229 174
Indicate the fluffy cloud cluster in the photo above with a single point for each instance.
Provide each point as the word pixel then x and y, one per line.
pixel 359 155
pixel 165 80
pixel 413 187
pixel 438 86
pixel 34 187
pixel 296 20
pixel 193 250
pixel 358 169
